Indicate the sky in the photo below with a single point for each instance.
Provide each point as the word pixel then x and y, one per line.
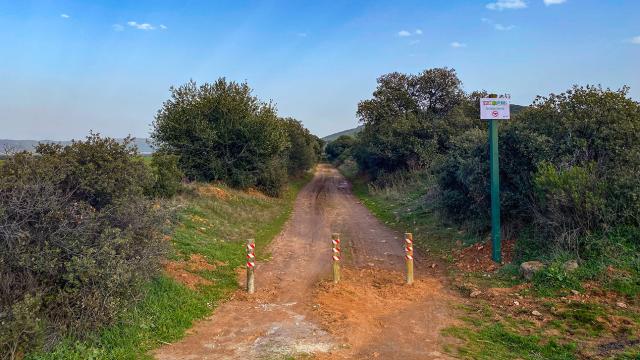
pixel 70 67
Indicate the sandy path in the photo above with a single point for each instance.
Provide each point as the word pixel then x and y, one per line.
pixel 296 310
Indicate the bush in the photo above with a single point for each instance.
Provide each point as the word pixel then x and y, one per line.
pixel 99 171
pixel 463 179
pixel 273 178
pixel 221 132
pixel 570 203
pixel 570 163
pixel 410 120
pixel 340 148
pixel 77 240
pixel 589 182
pixel 167 176
pixel 304 148
pixel 463 176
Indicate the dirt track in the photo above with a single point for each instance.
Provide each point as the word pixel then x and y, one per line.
pixel 295 310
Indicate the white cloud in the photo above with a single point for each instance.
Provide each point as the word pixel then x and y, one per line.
pixel 456 45
pixel 501 27
pixel 163 27
pixel 117 27
pixel 635 40
pixel 414 42
pixel 405 33
pixel 64 16
pixel 302 34
pixel 143 26
pixel 497 26
pixel 554 2
pixel 507 4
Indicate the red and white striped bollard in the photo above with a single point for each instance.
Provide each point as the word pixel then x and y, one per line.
pixel 335 241
pixel 408 239
pixel 251 264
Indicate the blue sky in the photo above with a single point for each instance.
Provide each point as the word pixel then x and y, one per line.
pixel 67 67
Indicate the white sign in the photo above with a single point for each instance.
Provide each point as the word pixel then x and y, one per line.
pixel 495 109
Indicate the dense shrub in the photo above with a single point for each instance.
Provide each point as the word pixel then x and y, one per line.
pixel 77 240
pixel 167 176
pixel 99 171
pixel 569 163
pixel 463 175
pixel 304 148
pixel 590 180
pixel 340 148
pixel 222 132
pixel 411 120
pixel 463 179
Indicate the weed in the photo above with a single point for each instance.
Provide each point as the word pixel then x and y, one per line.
pixel 582 318
pixel 494 341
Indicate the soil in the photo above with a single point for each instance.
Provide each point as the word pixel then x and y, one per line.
pixel 477 257
pixel 185 272
pixel 212 190
pixel 297 309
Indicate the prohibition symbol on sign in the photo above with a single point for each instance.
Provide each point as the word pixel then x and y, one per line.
pixel 495 113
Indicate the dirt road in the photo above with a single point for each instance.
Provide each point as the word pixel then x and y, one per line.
pixel 296 310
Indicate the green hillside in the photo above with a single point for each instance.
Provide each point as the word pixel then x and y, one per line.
pixel 350 132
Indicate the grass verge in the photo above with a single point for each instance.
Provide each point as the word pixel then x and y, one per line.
pixel 214 222
pixel 403 207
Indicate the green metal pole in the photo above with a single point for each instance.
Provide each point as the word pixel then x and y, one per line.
pixel 495 191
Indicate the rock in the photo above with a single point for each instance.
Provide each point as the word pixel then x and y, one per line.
pixel 536 313
pixel 527 269
pixel 621 305
pixel 475 293
pixel 575 292
pixel 570 266
pixel 516 303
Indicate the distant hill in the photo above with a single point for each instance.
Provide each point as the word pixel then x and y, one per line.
pixel 350 132
pixel 29 145
pixel 516 108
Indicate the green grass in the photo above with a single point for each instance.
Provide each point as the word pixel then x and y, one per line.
pixel 216 227
pixel 488 335
pixel 402 206
pixel 494 341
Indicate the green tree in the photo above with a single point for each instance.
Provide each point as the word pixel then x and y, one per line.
pixel 222 132
pixel 410 120
pixel 304 147
pixel 338 147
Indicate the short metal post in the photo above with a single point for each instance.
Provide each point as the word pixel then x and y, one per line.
pixel 335 240
pixel 251 264
pixel 408 240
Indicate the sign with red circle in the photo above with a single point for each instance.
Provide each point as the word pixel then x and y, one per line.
pixel 495 108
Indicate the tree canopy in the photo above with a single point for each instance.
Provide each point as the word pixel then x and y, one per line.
pixel 222 132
